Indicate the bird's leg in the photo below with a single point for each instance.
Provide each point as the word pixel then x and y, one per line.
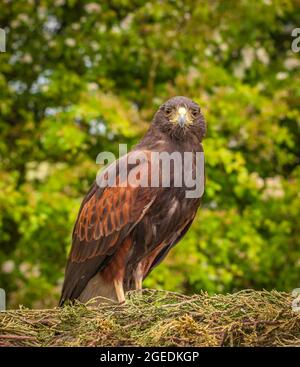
pixel 138 283
pixel 138 277
pixel 118 284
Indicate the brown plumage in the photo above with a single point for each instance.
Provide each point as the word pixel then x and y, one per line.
pixel 123 232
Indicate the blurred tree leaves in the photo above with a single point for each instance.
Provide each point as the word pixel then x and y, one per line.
pixel 80 77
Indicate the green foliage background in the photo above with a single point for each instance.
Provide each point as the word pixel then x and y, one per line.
pixel 80 77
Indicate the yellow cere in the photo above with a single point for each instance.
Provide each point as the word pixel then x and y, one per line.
pixel 182 111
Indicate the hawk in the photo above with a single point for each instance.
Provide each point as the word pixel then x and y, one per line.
pixel 125 230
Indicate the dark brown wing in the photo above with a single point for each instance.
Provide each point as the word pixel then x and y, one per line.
pixel 164 252
pixel 106 217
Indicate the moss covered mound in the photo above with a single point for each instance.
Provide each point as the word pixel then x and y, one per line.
pixel 159 318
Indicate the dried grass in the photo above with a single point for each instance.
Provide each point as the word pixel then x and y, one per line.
pixel 159 318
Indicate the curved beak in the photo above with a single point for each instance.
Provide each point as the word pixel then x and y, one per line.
pixel 181 116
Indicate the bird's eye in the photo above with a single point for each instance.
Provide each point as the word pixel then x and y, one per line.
pixel 195 112
pixel 168 111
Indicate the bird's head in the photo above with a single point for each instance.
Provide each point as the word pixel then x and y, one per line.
pixel 180 116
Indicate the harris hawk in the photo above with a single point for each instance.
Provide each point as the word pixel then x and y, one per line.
pixel 123 231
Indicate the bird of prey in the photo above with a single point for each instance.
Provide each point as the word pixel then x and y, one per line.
pixel 125 230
